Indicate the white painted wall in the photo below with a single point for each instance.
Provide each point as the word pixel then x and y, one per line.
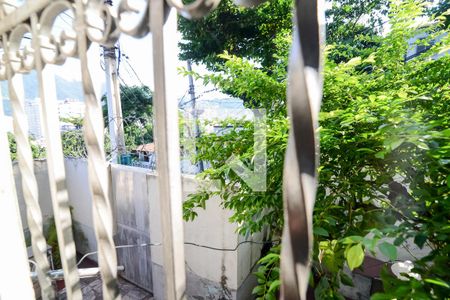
pixel 41 173
pixel 135 194
pixel 81 202
pixel 132 186
pixel 77 185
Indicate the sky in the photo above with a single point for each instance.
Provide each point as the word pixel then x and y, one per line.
pixel 139 53
pixel 138 60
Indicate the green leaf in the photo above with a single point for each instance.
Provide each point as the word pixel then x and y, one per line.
pixel 352 239
pixel 258 290
pixel 320 231
pixel 380 154
pixel 388 250
pixel 422 145
pixel 320 292
pixel 399 240
pixel 379 296
pixel 270 297
pixel 394 144
pixel 260 275
pixel 446 132
pixel 365 150
pixel 439 282
pixel 355 256
pixel 370 243
pixel 345 279
pixel 420 240
pixel 269 258
pixel 274 286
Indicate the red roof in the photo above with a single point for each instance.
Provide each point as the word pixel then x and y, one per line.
pixel 146 147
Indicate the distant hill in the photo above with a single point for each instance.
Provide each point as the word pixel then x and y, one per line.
pixel 64 88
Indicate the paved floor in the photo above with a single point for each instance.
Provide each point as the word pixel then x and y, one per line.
pixel 92 287
pixel 92 290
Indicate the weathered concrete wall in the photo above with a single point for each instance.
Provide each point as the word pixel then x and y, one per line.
pixel 80 200
pixel 130 195
pixel 211 274
pixel 41 173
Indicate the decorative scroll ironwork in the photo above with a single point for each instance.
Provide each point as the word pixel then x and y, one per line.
pixel 95 22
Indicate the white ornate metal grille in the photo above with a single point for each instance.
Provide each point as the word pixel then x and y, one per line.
pixel 95 22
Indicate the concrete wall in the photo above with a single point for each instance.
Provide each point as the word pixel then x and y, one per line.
pixel 40 170
pixel 130 195
pixel 79 196
pixel 211 274
pixel 81 202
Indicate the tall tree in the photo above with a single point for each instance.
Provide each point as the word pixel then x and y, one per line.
pixel 385 162
pixel 249 33
pixel 354 26
pixel 137 111
pixel 441 8
pixel 253 33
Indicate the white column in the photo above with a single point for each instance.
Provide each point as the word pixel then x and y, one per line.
pixel 13 254
pixel 168 147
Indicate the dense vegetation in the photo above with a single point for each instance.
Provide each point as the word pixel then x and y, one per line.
pixel 37 151
pixel 384 161
pixel 254 33
pixel 137 112
pixel 137 122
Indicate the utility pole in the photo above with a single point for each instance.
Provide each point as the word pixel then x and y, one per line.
pixel 194 110
pixel 115 119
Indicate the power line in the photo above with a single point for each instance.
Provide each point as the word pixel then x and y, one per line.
pixel 127 60
pixel 65 21
pixel 186 243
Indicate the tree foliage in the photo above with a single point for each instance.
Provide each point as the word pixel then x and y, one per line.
pixel 37 150
pixel 73 142
pixel 384 161
pixel 137 120
pixel 248 33
pixel 441 8
pixel 352 25
pixel 137 113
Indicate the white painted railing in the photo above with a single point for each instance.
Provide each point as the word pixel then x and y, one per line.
pixel 95 22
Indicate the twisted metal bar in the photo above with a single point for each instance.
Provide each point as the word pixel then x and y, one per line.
pixel 98 171
pixel 249 3
pixel 29 183
pixel 299 178
pixel 11 230
pixel 56 171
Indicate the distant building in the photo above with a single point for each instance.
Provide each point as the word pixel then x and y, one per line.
pixel 33 111
pixel 66 126
pixel 145 151
pixel 71 108
pixel 146 156
pixel 416 48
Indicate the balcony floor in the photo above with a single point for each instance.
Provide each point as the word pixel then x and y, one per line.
pixel 92 287
pixel 92 290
